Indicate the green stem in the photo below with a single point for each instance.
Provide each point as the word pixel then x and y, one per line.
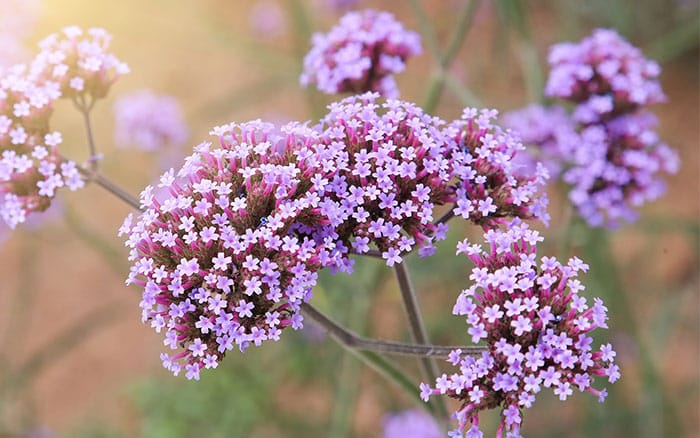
pixel 601 260
pixel 429 366
pixel 444 61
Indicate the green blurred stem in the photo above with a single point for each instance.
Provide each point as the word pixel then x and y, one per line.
pixel 84 107
pixel 677 42
pixel 102 181
pixel 444 61
pixel 429 366
pixel 599 256
pixel 427 30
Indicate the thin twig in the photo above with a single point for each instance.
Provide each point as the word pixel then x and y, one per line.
pixel 84 109
pixel 351 340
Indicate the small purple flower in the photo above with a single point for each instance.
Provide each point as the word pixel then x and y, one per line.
pixel 217 277
pixel 540 341
pixel 360 54
pixel 491 190
pixel 604 74
pixel 413 423
pixel 148 121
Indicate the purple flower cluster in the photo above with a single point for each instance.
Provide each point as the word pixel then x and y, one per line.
pixel 550 134
pixel 387 167
pixel 413 423
pixel 536 326
pixel 604 75
pixel 31 169
pixel 491 190
pixel 606 150
pixel 360 54
pixel 218 249
pixel 148 121
pixel 79 62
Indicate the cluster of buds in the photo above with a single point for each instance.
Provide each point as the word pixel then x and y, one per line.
pixel 536 326
pixel 360 54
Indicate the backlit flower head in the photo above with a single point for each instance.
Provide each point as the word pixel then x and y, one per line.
pixel 491 191
pixel 148 121
pixel 360 54
pixel 31 169
pixel 535 323
pixel 604 74
pixel 387 166
pixel 79 62
pixel 218 249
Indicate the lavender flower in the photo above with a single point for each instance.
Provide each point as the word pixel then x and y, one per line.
pixel 548 134
pixel 360 54
pixel 266 19
pixel 218 249
pixel 535 324
pixel 387 167
pixel 412 423
pixel 604 74
pixel 148 121
pixel 31 168
pixel 79 62
pixel 490 189
pixel 613 157
pixel 616 168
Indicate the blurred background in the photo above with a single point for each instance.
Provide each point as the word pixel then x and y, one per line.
pixel 75 359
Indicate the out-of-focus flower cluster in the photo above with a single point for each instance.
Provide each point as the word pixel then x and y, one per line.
pixel 148 121
pixel 360 54
pixel 535 324
pixel 31 168
pixel 608 151
pixel 413 423
pixel 218 248
pixel 16 24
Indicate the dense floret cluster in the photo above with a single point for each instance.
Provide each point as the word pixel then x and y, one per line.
pixel 490 190
pixel 549 135
pixel 606 150
pixel 604 75
pixel 535 324
pixel 31 168
pixel 360 54
pixel 217 248
pixel 387 168
pixel 148 121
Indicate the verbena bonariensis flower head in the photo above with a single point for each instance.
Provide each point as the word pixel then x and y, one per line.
pixel 604 74
pixel 217 248
pixel 79 62
pixel 536 326
pixel 31 168
pixel 360 54
pixel 616 167
pixel 491 190
pixel 412 423
pixel 148 121
pixel 386 166
pixel 549 137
